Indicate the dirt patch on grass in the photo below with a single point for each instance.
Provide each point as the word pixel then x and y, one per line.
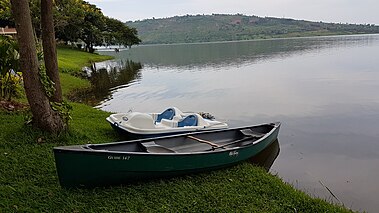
pixel 12 106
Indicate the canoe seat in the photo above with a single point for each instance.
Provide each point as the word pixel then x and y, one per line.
pixel 152 147
pixel 251 133
pixel 190 120
pixel 167 114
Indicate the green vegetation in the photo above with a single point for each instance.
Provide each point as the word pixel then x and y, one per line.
pixel 10 80
pixel 77 21
pixel 72 61
pixel 72 83
pixel 218 27
pixel 29 183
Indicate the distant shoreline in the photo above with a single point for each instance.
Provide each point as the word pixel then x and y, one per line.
pixel 110 49
pixel 222 27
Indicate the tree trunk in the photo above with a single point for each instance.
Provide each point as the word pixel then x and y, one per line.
pixel 43 116
pixel 49 47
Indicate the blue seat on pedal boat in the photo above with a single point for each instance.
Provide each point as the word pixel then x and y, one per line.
pixel 167 114
pixel 190 120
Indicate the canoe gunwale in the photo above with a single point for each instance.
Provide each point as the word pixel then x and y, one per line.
pixel 86 148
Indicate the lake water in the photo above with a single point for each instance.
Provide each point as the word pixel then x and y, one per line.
pixel 324 90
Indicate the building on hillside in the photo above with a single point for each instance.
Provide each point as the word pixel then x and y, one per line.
pixel 8 31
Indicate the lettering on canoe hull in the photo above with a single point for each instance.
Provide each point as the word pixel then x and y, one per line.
pixel 233 153
pixel 110 157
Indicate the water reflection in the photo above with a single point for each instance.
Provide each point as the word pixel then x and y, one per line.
pixel 107 76
pixel 227 54
pixel 266 157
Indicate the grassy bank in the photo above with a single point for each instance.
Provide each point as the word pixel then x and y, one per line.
pixel 29 183
pixel 70 63
pixel 72 60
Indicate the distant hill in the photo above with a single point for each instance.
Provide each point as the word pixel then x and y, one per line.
pixel 220 27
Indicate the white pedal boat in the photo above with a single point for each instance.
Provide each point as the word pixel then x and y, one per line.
pixel 171 121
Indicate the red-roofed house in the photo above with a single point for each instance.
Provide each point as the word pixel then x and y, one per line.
pixel 8 31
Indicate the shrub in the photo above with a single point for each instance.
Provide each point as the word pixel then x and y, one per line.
pixel 10 80
pixel 11 85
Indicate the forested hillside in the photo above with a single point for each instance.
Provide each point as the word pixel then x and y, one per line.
pixel 219 27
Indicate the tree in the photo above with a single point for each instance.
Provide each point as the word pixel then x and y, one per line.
pixel 43 116
pixel 68 19
pixel 117 32
pixel 112 30
pixel 77 20
pixel 129 37
pixel 49 48
pixel 93 27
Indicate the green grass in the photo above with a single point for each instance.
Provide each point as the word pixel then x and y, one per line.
pixel 71 83
pixel 72 60
pixel 29 182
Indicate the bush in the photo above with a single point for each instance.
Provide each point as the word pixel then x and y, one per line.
pixel 10 85
pixel 10 80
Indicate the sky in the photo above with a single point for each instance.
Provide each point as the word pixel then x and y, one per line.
pixel 337 11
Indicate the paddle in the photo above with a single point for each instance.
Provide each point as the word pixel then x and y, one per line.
pixel 233 142
pixel 204 141
pixel 249 135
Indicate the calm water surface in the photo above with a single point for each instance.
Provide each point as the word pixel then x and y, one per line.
pixel 324 91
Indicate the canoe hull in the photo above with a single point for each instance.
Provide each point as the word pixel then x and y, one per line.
pixel 83 168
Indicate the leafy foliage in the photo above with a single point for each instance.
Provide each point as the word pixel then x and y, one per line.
pixel 10 85
pixel 118 33
pixel 219 27
pixel 76 21
pixel 64 109
pixel 10 79
pixel 46 81
pixel 9 56
pixel 92 27
pixel 5 12
pixel 68 19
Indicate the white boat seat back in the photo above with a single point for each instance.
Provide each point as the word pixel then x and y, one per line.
pixel 169 123
pixel 140 120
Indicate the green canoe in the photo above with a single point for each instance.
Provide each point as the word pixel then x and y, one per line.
pixel 93 165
